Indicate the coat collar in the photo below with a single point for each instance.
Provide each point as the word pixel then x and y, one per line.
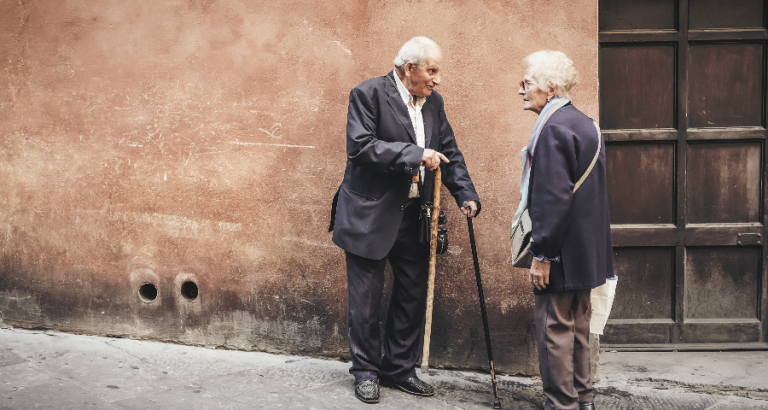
pixel 426 113
pixel 398 106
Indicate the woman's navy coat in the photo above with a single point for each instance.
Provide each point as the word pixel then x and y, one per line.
pixel 572 227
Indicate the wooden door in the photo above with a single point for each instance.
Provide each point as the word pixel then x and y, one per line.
pixel 683 109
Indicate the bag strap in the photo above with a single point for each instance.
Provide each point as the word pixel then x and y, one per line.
pixel 594 160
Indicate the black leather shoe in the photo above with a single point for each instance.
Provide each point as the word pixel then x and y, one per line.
pixel 367 391
pixel 586 406
pixel 416 386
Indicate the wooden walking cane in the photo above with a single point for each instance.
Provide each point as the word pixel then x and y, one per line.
pixel 431 281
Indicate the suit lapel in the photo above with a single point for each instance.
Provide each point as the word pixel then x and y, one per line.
pixel 427 115
pixel 398 106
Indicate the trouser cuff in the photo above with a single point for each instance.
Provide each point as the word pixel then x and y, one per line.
pixel 362 376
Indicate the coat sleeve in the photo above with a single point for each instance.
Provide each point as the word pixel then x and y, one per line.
pixel 455 175
pixel 366 150
pixel 553 180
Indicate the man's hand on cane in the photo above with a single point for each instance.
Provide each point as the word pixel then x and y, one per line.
pixel 469 208
pixel 431 159
pixel 539 274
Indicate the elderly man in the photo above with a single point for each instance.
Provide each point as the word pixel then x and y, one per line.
pixel 397 134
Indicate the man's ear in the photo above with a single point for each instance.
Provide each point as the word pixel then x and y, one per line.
pixel 407 69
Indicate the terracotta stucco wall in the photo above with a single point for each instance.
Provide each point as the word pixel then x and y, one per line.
pixel 168 141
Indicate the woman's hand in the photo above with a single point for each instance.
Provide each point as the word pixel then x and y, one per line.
pixel 539 274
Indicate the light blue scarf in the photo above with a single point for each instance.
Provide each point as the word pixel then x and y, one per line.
pixel 526 155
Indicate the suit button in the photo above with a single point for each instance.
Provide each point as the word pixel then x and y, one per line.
pixel 402 207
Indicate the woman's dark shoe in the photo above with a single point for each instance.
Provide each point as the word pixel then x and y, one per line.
pixel 414 385
pixel 367 391
pixel 586 406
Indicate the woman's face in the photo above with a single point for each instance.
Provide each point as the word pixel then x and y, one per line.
pixel 534 98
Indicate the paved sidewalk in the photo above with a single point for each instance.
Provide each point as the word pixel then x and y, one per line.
pixel 49 370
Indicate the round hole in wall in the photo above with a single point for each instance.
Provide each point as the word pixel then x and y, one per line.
pixel 148 292
pixel 189 290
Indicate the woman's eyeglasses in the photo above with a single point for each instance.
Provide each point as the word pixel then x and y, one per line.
pixel 525 85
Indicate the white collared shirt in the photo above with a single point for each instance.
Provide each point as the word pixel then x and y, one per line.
pixel 414 110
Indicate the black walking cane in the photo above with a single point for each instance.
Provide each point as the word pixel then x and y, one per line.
pixel 496 401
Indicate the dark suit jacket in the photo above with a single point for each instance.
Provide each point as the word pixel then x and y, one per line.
pixel 574 226
pixel 382 156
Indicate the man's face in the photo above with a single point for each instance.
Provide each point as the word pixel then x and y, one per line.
pixel 421 80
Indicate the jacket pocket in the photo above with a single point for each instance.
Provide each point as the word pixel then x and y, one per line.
pixel 365 197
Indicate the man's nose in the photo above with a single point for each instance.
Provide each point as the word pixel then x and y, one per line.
pixel 436 80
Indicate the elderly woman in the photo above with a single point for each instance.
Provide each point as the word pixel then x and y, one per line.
pixel 564 191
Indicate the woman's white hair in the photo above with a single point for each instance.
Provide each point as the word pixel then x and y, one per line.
pixel 415 51
pixel 550 69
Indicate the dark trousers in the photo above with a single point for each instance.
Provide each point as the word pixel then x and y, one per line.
pixel 562 336
pixel 402 332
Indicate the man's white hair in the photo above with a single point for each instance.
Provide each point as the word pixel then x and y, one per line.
pixel 415 51
pixel 550 69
